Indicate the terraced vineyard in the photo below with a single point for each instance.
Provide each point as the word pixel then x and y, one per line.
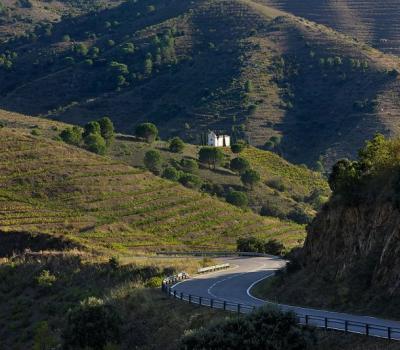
pixel 49 187
pixel 371 21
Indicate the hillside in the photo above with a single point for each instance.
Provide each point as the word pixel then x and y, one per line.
pixel 284 188
pixel 373 22
pixel 350 258
pixel 50 187
pixel 272 75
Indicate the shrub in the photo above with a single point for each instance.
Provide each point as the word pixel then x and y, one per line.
pixel 274 247
pixel 95 143
pixel 153 161
pixel 250 178
pixel 46 279
pixel 171 173
pixel 238 147
pixel 91 128
pixel 263 329
pixel 190 180
pixel 189 165
pixel 147 131
pixel 272 210
pixel 237 198
pixel 92 324
pixel 239 165
pixel 176 145
pixel 277 184
pixel 300 216
pixel 250 244
pixel 73 136
pixel 154 282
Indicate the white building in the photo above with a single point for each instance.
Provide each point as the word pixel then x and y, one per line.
pixel 218 140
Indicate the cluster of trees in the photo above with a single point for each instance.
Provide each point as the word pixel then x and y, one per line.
pixel 257 245
pixel 248 176
pixel 351 180
pixel 263 329
pixel 96 136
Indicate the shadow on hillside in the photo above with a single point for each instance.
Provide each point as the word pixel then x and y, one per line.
pixel 12 243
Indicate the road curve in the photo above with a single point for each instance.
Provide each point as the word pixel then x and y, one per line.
pixel 234 285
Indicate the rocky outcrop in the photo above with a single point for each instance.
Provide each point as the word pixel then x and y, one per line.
pixel 358 244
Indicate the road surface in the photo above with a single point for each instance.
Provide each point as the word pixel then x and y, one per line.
pixel 233 286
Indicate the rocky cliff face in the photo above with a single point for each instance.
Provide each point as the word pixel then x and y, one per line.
pixel 358 244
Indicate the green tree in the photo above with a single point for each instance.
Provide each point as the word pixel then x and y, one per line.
pixel 153 161
pixel 250 178
pixel 238 147
pixel 171 173
pixel 240 165
pixel 93 324
pixel 176 145
pixel 91 128
pixel 237 198
pixel 107 129
pixel 95 143
pixel 273 247
pixel 147 131
pixel 211 156
pixel 148 66
pixel 73 135
pixel 250 245
pixel 189 165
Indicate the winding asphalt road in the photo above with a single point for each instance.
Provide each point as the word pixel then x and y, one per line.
pixel 234 286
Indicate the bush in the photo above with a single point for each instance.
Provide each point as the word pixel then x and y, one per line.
pixel 250 244
pixel 190 181
pixel 73 136
pixel 91 128
pixel 176 145
pixel 277 184
pixel 263 329
pixel 43 339
pixel 92 324
pixel 274 247
pixel 189 165
pixel 95 143
pixel 238 147
pixel 114 263
pixel 46 279
pixel 300 216
pixel 153 161
pixel 237 198
pixel 147 131
pixel 250 178
pixel 171 173
pixel 239 165
pixel 154 282
pixel 272 210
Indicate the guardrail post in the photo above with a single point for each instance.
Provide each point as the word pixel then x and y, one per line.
pixel 326 322
pixel 306 318
pixel 366 329
pixel 181 296
pixel 389 333
pixel 174 294
pixel 346 326
pixel 238 308
pixel 200 298
pixel 190 299
pixel 224 305
pixel 169 291
pixel 211 303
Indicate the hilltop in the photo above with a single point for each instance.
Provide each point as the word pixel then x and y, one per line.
pixel 50 187
pixel 373 22
pixel 273 74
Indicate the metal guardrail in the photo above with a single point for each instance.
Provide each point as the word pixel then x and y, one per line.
pixel 213 268
pixel 332 323
pixel 175 278
pixel 216 253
